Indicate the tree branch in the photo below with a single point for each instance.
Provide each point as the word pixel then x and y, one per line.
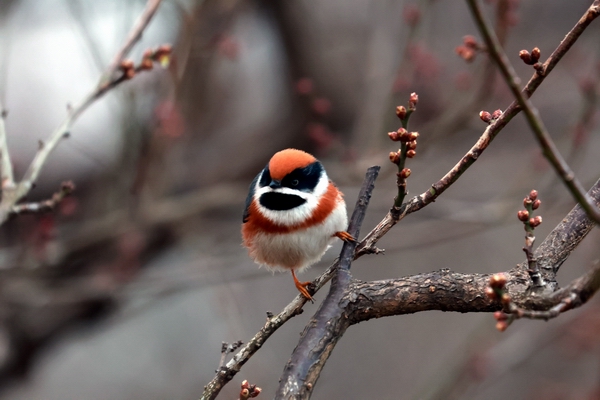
pixel 326 327
pixel 12 194
pixel 367 245
pixel 226 373
pixel 536 124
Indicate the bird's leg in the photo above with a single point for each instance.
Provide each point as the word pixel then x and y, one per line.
pixel 345 236
pixel 301 286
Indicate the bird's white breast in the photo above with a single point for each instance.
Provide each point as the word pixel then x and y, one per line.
pixel 302 248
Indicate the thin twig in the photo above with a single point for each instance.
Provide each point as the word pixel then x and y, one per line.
pixel 531 113
pixel 134 36
pixel 66 188
pixel 368 244
pixel 11 195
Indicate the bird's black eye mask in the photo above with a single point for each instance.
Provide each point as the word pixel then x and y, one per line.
pixel 304 179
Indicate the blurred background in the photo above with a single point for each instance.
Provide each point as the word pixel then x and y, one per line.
pixel 129 288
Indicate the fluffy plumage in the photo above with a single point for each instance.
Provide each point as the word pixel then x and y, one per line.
pixel 293 213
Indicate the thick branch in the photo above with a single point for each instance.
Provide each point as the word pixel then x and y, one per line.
pixel 326 327
pixel 565 238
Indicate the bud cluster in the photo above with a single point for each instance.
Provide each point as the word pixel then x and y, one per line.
pixel 162 55
pixel 531 203
pixel 530 58
pixel 489 118
pixel 408 146
pixel 496 290
pixel 468 50
pixel 249 391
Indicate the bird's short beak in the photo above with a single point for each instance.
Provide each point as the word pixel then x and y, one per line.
pixel 275 184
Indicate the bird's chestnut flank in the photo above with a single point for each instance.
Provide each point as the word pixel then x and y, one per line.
pixel 293 213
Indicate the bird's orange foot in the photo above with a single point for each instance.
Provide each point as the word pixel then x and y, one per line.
pixel 345 236
pixel 301 286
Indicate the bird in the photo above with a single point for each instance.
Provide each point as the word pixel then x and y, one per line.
pixel 292 215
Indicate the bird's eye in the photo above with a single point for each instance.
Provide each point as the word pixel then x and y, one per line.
pixel 295 182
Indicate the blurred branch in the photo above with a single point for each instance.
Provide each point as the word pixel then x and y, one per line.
pixel 367 245
pixel 12 194
pixel 134 36
pixel 531 113
pixel 66 188
pixel 6 171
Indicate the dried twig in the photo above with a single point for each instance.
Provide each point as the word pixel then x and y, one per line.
pixel 66 188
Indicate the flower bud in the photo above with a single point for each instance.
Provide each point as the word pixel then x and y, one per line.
pixel 129 73
pixel 535 54
pixel 394 157
pixel 413 100
pixel 501 326
pixel 412 145
pixel 491 293
pixel 523 215
pixel 405 173
pixel 470 42
pixel 506 299
pixel 126 64
pixel 401 112
pixel 496 114
pixel 411 153
pixel 526 57
pixel 534 222
pixel 485 116
pixel 394 136
pixel 146 64
pixel 500 316
pixel 527 202
pixel 536 204
pixel 533 194
pixel 497 281
pixel 413 136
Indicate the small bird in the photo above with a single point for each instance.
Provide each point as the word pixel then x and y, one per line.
pixel 293 213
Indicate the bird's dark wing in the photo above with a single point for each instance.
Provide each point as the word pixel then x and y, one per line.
pixel 250 196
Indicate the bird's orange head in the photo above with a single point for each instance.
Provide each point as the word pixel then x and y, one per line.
pixel 288 160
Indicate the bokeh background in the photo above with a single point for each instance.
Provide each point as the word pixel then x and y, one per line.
pixel 129 288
